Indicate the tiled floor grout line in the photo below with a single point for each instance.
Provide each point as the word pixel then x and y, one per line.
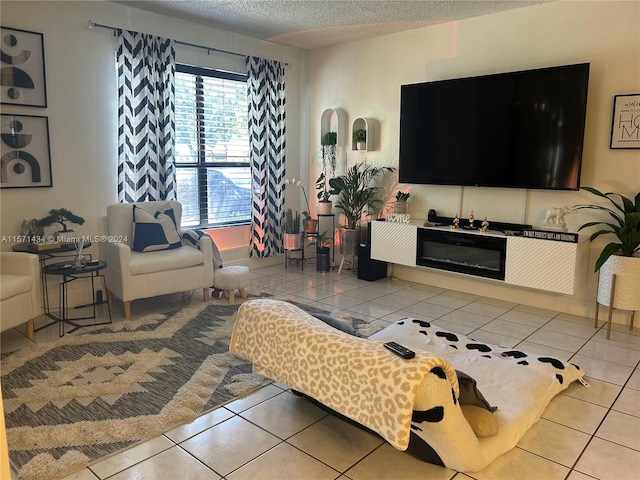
pixel 609 409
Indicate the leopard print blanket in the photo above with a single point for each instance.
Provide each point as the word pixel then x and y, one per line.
pixel 356 377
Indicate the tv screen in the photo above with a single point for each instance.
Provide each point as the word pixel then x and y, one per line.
pixel 521 129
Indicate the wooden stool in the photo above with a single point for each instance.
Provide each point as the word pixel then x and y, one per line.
pixel 232 278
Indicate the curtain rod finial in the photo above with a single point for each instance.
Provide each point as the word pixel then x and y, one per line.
pixel 90 24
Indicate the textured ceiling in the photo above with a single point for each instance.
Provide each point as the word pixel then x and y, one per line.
pixel 317 23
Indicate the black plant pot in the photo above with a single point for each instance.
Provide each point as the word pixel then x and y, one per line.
pixel 323 259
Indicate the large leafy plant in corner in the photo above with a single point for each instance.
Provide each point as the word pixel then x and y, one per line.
pixel 356 191
pixel 625 224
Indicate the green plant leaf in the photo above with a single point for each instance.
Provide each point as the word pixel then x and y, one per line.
pixel 607 251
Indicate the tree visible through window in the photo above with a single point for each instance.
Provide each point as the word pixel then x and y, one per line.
pixel 212 147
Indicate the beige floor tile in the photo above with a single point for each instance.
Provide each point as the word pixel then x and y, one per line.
pixel 199 425
pixel 620 336
pixel 335 442
pixel 510 329
pixel 230 444
pixel 371 309
pixel 284 415
pixel 428 310
pixel 449 300
pixel 340 300
pixel 84 474
pixel 387 463
pixel 429 289
pixel 621 428
pixel 132 456
pixel 567 317
pixel 15 339
pixel 414 293
pixel 609 461
pixel 520 464
pixel 525 318
pixel 569 327
pixel 500 303
pixel 284 462
pixel 599 392
pixel 537 311
pixel 634 380
pixel 452 326
pixel 611 353
pixel 555 442
pixel 575 413
pixel 494 338
pixel 396 301
pixel 601 370
pixel 557 340
pixel 480 308
pixel 172 463
pixel 363 294
pixel 470 319
pixel 578 476
pixel 628 402
pixel 253 399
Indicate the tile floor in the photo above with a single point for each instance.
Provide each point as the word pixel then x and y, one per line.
pixel 585 433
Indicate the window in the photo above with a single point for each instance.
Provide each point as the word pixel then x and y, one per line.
pixel 212 147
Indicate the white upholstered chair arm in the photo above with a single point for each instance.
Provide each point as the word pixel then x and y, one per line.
pixel 117 255
pixel 20 264
pixel 206 247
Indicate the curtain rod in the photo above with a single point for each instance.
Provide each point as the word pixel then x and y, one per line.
pixel 91 24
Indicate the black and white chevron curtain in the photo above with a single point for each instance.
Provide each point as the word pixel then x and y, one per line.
pixel 266 99
pixel 146 91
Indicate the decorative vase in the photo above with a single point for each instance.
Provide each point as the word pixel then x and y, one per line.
pixel 323 259
pixel 310 226
pixel 400 206
pixel 325 207
pixel 361 145
pixel 349 240
pixel 627 272
pixel 292 241
pixel 80 261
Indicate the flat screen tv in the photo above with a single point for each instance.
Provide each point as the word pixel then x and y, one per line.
pixel 521 129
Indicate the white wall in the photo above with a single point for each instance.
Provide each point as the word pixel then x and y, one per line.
pixel 81 90
pixel 364 77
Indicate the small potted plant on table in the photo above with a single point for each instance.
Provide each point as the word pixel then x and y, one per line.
pixel 360 138
pixel 292 239
pixel 400 205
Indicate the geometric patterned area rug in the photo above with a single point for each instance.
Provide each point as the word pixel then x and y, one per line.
pixel 83 397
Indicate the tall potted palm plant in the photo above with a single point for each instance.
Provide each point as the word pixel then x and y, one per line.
pixel 356 191
pixel 619 261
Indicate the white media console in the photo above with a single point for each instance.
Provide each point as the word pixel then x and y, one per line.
pixel 515 260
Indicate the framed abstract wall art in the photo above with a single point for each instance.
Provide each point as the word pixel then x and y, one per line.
pixel 625 125
pixel 22 76
pixel 25 159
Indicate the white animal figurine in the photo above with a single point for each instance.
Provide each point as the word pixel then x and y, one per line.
pixel 555 215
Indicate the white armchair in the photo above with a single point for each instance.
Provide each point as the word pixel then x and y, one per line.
pixel 20 290
pixel 132 275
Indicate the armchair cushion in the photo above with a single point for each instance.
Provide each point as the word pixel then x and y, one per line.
pixel 153 232
pixel 161 261
pixel 13 285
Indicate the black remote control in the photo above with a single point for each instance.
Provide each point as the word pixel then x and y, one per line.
pixel 399 350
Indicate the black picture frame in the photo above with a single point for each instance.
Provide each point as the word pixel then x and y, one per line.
pixel 625 121
pixel 23 79
pixel 25 156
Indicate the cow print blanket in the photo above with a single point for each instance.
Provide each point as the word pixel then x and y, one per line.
pixel 518 384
